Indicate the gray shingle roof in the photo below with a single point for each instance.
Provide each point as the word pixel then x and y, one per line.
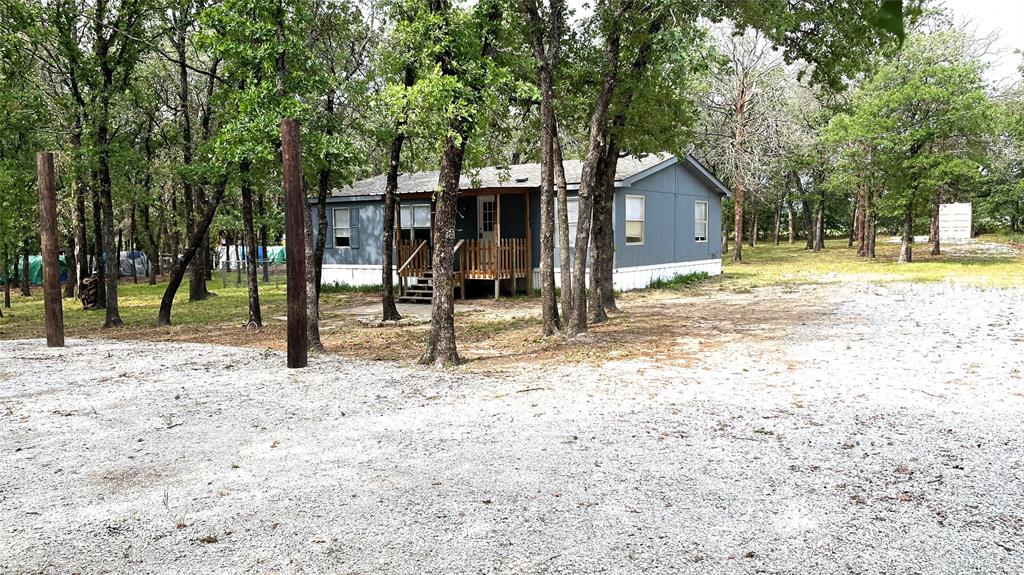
pixel 517 176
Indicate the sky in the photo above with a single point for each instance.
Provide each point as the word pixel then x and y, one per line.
pixel 1005 17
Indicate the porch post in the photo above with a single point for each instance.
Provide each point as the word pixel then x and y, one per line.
pixel 529 246
pixel 398 244
pixel 497 244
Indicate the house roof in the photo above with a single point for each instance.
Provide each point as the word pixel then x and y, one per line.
pixel 629 169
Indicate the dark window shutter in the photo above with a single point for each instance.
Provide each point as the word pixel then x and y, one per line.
pixel 330 227
pixel 353 219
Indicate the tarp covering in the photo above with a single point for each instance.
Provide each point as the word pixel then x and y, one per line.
pixel 35 271
pixel 35 268
pixel 133 263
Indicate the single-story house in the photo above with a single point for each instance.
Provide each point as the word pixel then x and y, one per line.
pixel 666 221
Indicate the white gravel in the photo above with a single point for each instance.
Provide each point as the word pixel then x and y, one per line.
pixel 884 438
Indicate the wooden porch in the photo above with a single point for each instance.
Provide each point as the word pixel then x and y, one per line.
pixel 496 261
pixel 507 259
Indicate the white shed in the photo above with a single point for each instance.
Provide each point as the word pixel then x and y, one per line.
pixel 954 222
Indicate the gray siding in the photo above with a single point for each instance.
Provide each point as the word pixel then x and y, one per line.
pixel 368 217
pixel 669 199
pixel 669 203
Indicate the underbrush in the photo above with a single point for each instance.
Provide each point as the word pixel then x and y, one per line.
pixel 679 281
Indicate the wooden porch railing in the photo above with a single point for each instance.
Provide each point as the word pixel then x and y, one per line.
pixel 488 260
pixel 415 258
pixel 477 259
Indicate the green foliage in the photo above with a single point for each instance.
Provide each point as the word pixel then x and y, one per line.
pixel 922 122
pixel 679 281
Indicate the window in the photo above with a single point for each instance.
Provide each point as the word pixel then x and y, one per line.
pixel 342 228
pixel 415 222
pixel 634 220
pixel 700 222
pixel 488 214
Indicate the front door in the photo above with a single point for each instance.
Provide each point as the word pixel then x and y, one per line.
pixel 486 215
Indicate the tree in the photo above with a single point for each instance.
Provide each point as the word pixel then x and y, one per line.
pixel 468 79
pixel 922 120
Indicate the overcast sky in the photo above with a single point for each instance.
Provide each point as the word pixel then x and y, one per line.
pixel 1005 17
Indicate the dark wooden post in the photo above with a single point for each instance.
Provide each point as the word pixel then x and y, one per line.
pixel 51 264
pixel 295 249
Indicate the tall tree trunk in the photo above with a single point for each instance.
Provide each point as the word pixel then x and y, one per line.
pixel 791 220
pixel 113 318
pixel 602 269
pixel 860 221
pixel 545 41
pixel 197 290
pixel 819 236
pixel 182 263
pixel 249 234
pixel 739 138
pixel 152 240
pixel 314 344
pixel 754 209
pixel 777 228
pixel 26 278
pixel 600 205
pixel 590 179
pixel 72 265
pixel 564 251
pixel 7 279
pixel 132 245
pixel 387 286
pixel 261 209
pixel 97 243
pixel 933 231
pixel 441 349
pixel 869 223
pixel 907 239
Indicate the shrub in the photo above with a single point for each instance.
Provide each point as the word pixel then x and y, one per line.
pixel 679 281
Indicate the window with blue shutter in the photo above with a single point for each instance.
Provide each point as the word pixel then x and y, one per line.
pixel 353 240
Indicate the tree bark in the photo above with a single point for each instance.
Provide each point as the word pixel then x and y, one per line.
pixel 933 231
pixel 26 278
pixel 869 223
pixel 387 289
pixel 819 236
pixel 739 138
pixel 182 263
pixel 97 244
pixel 249 235
pixel 313 342
pixel 564 251
pixel 791 220
pixel 752 240
pixel 602 268
pixel 545 41
pixel 907 239
pixel 777 228
pixel 441 349
pixel 590 179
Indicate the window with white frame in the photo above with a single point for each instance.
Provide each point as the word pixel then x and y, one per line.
pixel 700 222
pixel 634 220
pixel 572 212
pixel 342 228
pixel 415 222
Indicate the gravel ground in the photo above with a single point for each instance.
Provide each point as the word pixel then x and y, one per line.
pixel 883 438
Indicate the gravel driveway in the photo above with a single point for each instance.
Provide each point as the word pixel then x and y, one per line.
pixel 884 437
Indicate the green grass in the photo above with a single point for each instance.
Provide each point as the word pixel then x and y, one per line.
pixel 345 288
pixel 219 319
pixel 679 281
pixel 138 306
pixel 767 265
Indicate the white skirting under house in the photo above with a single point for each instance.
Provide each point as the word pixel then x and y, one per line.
pixel 639 277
